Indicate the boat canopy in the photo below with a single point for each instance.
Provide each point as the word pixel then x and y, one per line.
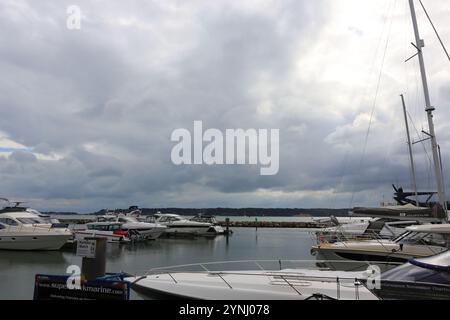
pixel 431 270
pixel 403 212
pixel 430 228
pixel 439 262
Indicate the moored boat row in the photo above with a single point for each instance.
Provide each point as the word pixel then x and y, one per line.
pixel 22 228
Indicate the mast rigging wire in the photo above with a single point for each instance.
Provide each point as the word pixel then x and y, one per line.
pixel 435 31
pixel 374 104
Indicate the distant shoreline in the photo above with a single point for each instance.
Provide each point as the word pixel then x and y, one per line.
pixel 233 212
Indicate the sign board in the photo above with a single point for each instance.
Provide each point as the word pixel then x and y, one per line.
pixel 86 248
pixel 54 287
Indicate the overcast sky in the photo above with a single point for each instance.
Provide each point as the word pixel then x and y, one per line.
pixel 86 115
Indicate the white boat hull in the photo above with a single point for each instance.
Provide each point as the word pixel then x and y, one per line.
pixel 111 238
pixel 200 231
pixel 33 241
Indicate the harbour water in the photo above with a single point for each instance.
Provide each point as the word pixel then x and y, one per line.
pixel 17 269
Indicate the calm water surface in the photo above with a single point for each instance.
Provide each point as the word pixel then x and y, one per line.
pixel 17 269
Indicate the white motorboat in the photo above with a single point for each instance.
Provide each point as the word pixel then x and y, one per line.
pixel 176 225
pixel 419 279
pixel 286 284
pixel 209 219
pixel 136 229
pixel 417 242
pixel 112 231
pixel 140 229
pixel 24 230
pixel 366 229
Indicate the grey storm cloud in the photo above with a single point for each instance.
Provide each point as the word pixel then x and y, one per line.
pixel 97 105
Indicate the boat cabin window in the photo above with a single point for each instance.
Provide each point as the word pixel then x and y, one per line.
pixel 128 219
pixel 9 221
pixel 31 220
pixel 104 227
pixel 114 227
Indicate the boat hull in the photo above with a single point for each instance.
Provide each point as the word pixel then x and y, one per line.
pixel 173 230
pixel 253 285
pixel 33 242
pixel 111 238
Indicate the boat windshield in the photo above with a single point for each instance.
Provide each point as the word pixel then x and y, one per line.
pixel 106 219
pixel 128 219
pixel 422 238
pixel 208 219
pixel 169 219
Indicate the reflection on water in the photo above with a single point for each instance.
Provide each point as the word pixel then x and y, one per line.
pixel 17 269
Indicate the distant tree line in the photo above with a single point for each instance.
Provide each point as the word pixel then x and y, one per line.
pixel 251 212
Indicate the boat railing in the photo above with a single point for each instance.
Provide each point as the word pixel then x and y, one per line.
pixel 270 265
pixel 342 236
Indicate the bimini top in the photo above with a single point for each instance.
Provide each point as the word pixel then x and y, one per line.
pixel 430 228
pixel 440 262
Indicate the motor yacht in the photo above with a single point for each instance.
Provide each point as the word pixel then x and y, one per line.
pixel 285 284
pixel 176 225
pixel 417 242
pixel 209 219
pixel 110 230
pixel 137 230
pixel 377 228
pixel 23 230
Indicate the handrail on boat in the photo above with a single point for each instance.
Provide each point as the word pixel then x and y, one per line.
pixel 312 265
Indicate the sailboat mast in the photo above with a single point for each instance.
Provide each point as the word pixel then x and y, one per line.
pixel 413 169
pixel 429 109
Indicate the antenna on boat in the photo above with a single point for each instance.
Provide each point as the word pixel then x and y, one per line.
pixel 429 109
pixel 413 169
